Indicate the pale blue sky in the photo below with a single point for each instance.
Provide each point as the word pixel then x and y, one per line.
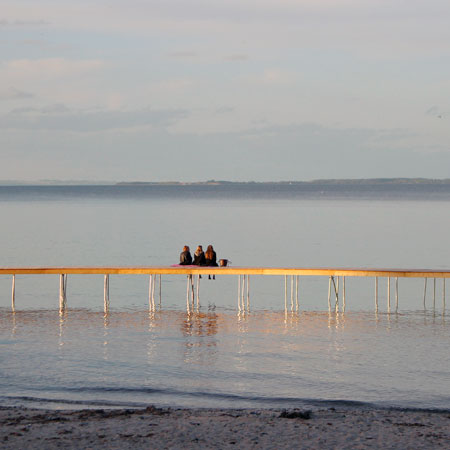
pixel 226 89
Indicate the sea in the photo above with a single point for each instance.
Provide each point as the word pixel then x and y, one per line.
pixel 219 355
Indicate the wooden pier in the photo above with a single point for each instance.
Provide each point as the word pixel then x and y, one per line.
pixel 244 273
pixel 198 270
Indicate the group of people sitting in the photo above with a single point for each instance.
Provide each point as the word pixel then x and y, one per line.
pixel 201 258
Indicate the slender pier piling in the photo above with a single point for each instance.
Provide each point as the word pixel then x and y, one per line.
pixel 106 293
pixel 13 293
pixel 425 295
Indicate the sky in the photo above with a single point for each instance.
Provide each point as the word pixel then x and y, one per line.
pixel 239 90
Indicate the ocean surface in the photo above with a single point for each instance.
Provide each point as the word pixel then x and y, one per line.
pixel 218 356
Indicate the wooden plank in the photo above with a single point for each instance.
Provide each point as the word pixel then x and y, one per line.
pixel 188 270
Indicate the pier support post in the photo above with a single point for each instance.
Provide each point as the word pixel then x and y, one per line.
pixel 244 281
pixel 434 294
pixel 425 295
pixel 239 292
pixel 151 303
pixel 292 293
pixel 443 295
pixel 106 293
pixel 62 292
pixel 376 294
pixel 248 292
pixel 389 294
pixel 198 292
pixel 13 293
pixel 153 291
pixel 188 281
pixel 329 294
pixel 160 290
pixel 285 293
pixel 336 292
pixel 296 293
pixel 192 290
pixel 343 294
pixel 396 295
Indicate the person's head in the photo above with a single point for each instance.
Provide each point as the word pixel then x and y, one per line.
pixel 210 248
pixel 199 248
pixel 186 248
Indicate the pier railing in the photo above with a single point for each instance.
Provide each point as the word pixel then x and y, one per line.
pixel 155 273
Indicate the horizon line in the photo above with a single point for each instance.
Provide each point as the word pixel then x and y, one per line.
pixel 59 182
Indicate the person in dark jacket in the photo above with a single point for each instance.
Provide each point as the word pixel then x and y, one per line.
pixel 185 257
pixel 211 259
pixel 199 257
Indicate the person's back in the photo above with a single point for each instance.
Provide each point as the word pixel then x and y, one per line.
pixel 199 257
pixel 210 257
pixel 185 257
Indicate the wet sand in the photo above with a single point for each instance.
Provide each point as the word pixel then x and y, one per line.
pixel 167 428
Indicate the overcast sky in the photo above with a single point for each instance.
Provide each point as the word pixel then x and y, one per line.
pixel 224 89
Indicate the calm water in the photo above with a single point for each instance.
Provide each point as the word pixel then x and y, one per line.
pixel 216 357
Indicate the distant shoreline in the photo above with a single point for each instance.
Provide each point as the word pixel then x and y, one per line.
pixel 331 182
pixel 343 182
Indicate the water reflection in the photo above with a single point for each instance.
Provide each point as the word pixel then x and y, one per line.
pixel 199 330
pixel 62 321
pixel 242 321
pixel 310 354
pixel 336 320
pixel 151 341
pixel 206 325
pixel 292 319
pixel 14 323
pixel 106 323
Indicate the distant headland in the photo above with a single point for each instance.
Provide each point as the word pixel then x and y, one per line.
pixel 349 181
pixel 330 181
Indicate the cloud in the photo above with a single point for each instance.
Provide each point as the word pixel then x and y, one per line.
pixel 58 117
pixel 172 85
pixel 14 94
pixel 183 54
pixel 295 152
pixel 49 68
pixel 237 57
pixel 207 54
pixel 435 111
pixel 276 76
pixel 57 108
pixel 22 23
pixel 224 110
pixel 270 76
pixel 371 28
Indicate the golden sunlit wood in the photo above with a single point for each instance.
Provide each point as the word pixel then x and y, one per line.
pixel 189 270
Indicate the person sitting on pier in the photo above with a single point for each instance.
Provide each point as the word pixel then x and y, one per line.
pixel 199 257
pixel 211 259
pixel 185 257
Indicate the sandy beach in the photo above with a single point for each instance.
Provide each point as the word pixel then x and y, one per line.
pixel 223 428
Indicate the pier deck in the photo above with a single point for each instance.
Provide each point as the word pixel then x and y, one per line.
pixel 155 273
pixel 196 270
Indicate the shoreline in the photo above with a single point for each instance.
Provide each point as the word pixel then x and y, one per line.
pixel 153 427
